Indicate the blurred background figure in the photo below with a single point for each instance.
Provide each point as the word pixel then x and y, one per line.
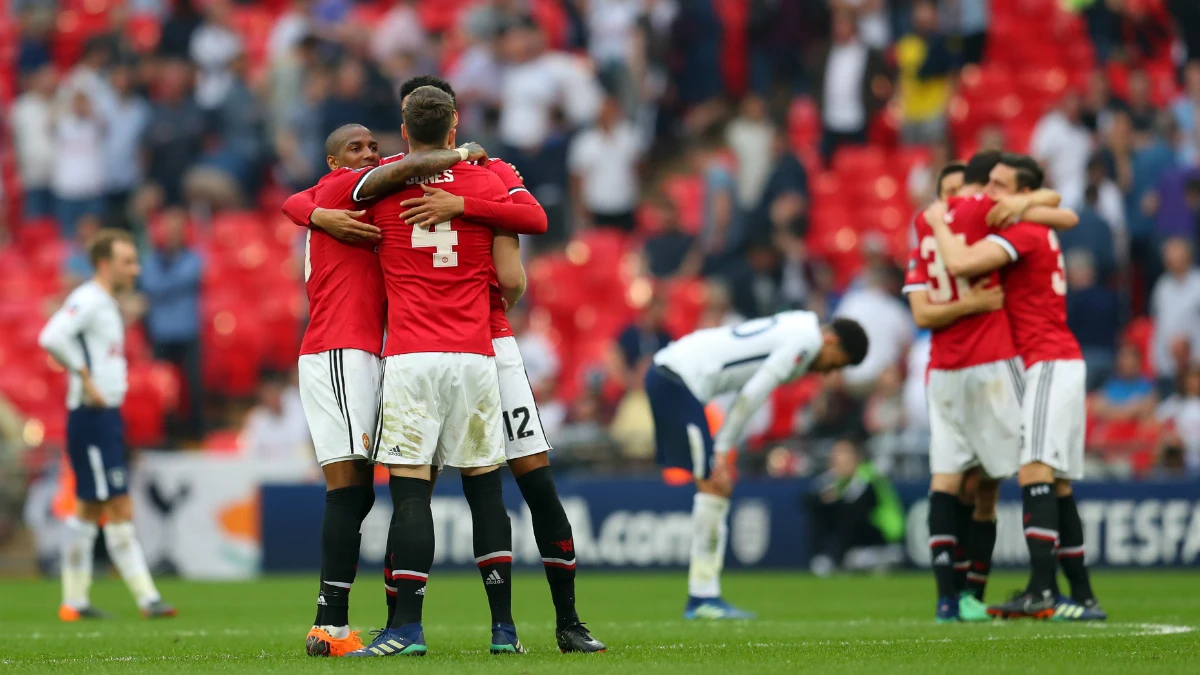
pixel 855 518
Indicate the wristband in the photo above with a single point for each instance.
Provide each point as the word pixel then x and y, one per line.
pixel 463 154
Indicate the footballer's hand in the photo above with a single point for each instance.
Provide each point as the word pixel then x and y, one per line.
pixel 91 395
pixel 517 171
pixel 435 206
pixel 343 226
pixel 986 298
pixel 475 152
pixel 935 213
pixel 1007 211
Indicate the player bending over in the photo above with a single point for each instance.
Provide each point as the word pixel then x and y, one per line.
pixel 441 400
pixel 973 384
pixel 339 364
pixel 87 336
pixel 1054 406
pixel 752 359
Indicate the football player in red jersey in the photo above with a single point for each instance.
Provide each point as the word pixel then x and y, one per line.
pixel 441 398
pixel 526 445
pixel 1051 452
pixel 339 367
pixel 971 354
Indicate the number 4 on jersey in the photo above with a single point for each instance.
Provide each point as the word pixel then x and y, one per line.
pixel 440 237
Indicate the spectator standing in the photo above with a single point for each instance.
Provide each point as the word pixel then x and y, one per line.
pixel 171 279
pixel 1186 110
pixel 33 134
pixel 782 208
pixel 968 20
pixel 751 137
pixel 1093 236
pixel 214 46
pixel 1107 202
pixel 872 20
pixel 228 174
pixel 851 85
pixel 275 434
pixel 399 31
pixel 1093 315
pixel 1175 308
pixel 175 136
pixel 79 135
pixel 300 143
pixel 1099 103
pixel 175 41
pixel 126 127
pixel 887 322
pixel 1140 106
pixel 89 76
pixel 1063 145
pixel 926 66
pixel 290 28
pixel 603 161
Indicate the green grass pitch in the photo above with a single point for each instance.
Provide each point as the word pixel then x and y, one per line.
pixel 872 625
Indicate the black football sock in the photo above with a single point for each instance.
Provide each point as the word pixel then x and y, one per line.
pixel 1041 535
pixel 389 589
pixel 1070 550
pixel 981 542
pixel 412 539
pixel 962 529
pixel 942 506
pixel 345 509
pixel 555 541
pixel 492 539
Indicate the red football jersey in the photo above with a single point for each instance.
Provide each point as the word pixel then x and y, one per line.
pixel 437 279
pixel 974 339
pixel 1035 293
pixel 344 283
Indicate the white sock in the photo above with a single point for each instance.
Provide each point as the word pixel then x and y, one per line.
pixel 126 554
pixel 709 536
pixel 337 632
pixel 79 543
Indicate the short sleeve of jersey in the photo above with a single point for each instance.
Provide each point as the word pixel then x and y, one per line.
pixel 336 189
pixel 504 171
pixel 1019 239
pixel 916 275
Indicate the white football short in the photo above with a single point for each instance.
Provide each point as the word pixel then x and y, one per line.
pixel 340 393
pixel 523 432
pixel 441 409
pixel 975 418
pixel 1054 416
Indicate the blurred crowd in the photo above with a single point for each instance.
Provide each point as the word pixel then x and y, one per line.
pixel 699 135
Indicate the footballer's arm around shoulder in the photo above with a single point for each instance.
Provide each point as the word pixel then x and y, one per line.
pixel 510 274
pixel 1052 217
pixel 962 260
pixel 388 179
pixel 300 206
pixel 932 315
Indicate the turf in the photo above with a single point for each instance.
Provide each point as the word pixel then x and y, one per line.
pixel 857 625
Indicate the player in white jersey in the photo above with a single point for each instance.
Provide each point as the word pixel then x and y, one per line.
pixel 752 359
pixel 87 336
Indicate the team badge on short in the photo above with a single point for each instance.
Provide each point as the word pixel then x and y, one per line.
pixel 366 442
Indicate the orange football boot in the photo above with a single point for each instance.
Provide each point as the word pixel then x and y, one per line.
pixel 321 643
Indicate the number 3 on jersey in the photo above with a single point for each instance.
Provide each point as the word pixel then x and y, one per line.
pixel 1058 278
pixel 944 287
pixel 441 238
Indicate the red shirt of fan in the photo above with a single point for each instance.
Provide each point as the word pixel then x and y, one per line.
pixel 437 280
pixel 1035 293
pixel 974 339
pixel 343 281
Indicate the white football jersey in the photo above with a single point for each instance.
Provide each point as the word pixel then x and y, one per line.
pixel 88 331
pixel 719 360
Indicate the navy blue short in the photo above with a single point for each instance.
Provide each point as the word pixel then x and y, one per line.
pixel 681 434
pixel 96 448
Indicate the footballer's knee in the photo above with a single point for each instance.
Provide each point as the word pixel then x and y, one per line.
pixel 478 470
pixel 1035 472
pixel 1062 487
pixel 89 511
pixel 119 509
pixel 346 474
pixel 970 483
pixel 523 465
pixel 987 492
pixel 945 482
pixel 711 487
pixel 422 472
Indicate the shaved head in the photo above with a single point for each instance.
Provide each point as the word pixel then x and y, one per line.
pixel 340 136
